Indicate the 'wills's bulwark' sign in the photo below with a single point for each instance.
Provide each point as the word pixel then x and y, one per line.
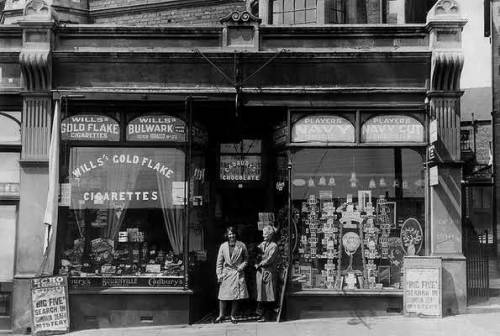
pixel 49 305
pixel 422 286
pixel 156 128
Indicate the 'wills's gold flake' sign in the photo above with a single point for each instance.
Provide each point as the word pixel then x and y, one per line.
pixel 85 127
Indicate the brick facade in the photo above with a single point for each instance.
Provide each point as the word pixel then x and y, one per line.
pixel 145 12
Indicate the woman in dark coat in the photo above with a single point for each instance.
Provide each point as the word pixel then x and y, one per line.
pixel 231 262
pixel 266 276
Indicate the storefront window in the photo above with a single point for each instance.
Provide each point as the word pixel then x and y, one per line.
pixel 124 216
pixel 360 211
pixel 294 11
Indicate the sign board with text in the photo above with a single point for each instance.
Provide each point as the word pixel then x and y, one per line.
pixel 125 281
pixel 156 128
pixel 392 128
pixel 49 305
pixel 89 127
pixel 422 286
pixel 323 129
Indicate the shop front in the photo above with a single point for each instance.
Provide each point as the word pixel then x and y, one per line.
pixel 171 134
pixel 359 206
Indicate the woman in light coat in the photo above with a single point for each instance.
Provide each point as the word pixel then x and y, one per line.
pixel 266 276
pixel 231 262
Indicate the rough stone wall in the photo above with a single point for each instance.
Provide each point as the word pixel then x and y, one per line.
pixel 187 15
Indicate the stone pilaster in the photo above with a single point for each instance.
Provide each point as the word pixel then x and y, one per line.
pixel 35 61
pixel 445 27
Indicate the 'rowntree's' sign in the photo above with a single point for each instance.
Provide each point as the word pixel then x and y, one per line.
pixel 156 128
pixel 323 128
pixel 85 127
pixel 390 128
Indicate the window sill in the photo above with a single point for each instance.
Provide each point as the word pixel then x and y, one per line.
pixel 136 290
pixel 352 292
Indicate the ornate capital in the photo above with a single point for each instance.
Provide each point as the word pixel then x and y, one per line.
pixel 446 70
pixel 36 69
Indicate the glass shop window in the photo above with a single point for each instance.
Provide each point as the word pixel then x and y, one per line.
pixel 360 211
pixel 294 11
pixel 123 212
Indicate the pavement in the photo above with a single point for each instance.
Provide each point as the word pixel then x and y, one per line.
pixel 482 319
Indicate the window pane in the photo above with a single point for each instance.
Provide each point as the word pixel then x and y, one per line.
pixel 311 16
pixel 277 6
pixel 288 6
pixel 300 4
pixel 10 130
pixel 360 212
pixel 300 17
pixel 9 167
pixel 288 18
pixel 7 239
pixel 277 18
pixel 310 3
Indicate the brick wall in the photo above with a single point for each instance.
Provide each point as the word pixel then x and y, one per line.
pixel 187 15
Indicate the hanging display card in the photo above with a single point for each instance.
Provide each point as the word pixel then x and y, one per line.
pixel 389 128
pixel 323 128
pixel 49 305
pixel 156 128
pixel 422 286
pixel 88 127
pixel 240 168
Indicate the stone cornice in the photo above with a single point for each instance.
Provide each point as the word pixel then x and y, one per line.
pixel 163 5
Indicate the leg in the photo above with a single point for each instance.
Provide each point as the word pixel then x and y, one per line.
pixel 222 311
pixel 234 308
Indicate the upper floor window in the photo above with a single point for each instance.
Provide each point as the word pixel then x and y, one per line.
pixel 294 11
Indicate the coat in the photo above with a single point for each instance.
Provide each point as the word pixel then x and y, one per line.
pixel 266 276
pixel 233 285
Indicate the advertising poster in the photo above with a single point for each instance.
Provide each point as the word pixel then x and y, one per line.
pixel 156 128
pixel 323 128
pixel 85 127
pixel 118 178
pixel 389 128
pixel 49 305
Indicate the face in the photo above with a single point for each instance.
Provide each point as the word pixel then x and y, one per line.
pixel 231 237
pixel 266 234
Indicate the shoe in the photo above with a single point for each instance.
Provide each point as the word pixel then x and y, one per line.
pixel 261 319
pixel 234 320
pixel 219 319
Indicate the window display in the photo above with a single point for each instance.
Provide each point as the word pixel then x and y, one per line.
pixel 125 217
pixel 360 211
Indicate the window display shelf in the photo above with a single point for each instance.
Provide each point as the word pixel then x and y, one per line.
pixel 352 292
pixel 136 290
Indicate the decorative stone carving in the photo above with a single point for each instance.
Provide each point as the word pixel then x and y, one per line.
pixel 35 67
pixel 240 17
pixel 444 9
pixel 241 31
pixel 446 71
pixel 36 7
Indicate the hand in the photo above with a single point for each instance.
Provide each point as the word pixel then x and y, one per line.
pixel 240 268
pixel 257 266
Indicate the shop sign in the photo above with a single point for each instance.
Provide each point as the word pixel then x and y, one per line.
pixel 87 127
pixel 118 178
pixel 323 128
pixel 433 176
pixel 422 286
pixel 125 281
pixel 433 131
pixel 49 305
pixel 388 128
pixel 240 168
pixel 156 128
